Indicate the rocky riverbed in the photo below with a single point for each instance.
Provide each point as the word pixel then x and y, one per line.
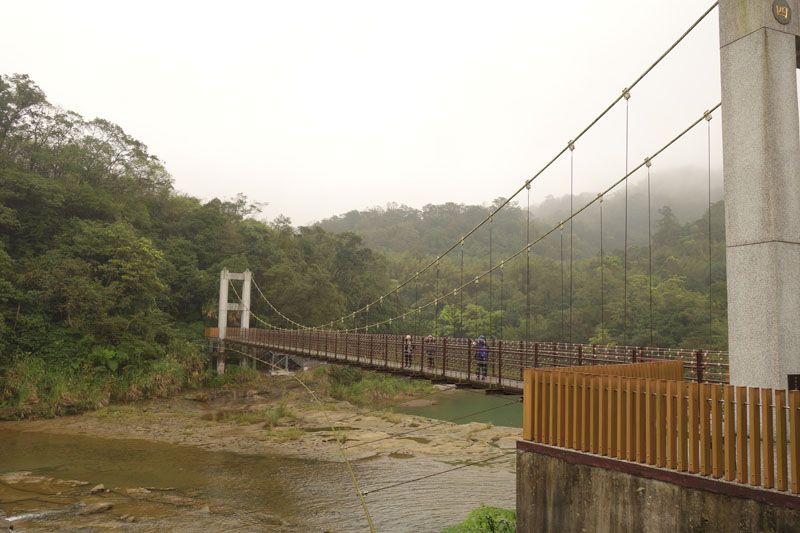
pixel 275 418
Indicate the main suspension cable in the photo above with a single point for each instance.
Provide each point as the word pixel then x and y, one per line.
pixel 586 206
pixel 549 163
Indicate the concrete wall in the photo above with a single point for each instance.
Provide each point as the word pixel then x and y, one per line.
pixel 554 494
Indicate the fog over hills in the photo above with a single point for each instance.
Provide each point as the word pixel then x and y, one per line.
pixel 430 230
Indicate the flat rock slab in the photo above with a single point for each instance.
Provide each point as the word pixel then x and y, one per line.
pixel 94 508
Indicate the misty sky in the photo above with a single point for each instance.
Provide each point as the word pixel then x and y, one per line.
pixel 322 107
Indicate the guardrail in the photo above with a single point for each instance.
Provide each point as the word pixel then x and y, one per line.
pixel 507 359
pixel 741 434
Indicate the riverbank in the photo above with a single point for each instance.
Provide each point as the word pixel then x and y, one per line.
pixel 276 416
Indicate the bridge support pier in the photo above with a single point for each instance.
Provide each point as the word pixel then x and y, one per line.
pixel 225 278
pixel 761 154
pixel 221 358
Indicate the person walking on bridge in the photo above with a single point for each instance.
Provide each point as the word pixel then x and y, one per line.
pixel 430 350
pixel 408 350
pixel 482 358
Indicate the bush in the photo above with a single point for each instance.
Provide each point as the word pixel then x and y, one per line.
pixel 487 519
pixel 51 390
pixel 344 375
pixel 366 388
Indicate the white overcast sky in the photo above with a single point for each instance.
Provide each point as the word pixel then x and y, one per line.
pixel 319 107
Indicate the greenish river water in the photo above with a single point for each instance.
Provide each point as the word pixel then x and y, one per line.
pixel 459 406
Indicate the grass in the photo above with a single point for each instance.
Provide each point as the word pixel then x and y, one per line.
pixel 488 519
pixel 279 435
pixel 362 388
pixel 115 411
pixel 471 433
pixel 391 417
pixel 269 417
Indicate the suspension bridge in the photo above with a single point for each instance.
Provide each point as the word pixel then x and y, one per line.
pixel 759 47
pixel 378 343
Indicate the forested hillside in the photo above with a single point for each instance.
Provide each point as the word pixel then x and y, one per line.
pixel 578 301
pixel 107 274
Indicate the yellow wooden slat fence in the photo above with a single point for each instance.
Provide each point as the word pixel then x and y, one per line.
pixel 646 413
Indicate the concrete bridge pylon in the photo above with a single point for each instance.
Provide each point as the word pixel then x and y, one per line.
pixel 225 278
pixel 761 154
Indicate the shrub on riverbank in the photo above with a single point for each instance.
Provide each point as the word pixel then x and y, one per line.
pixel 30 386
pixel 487 519
pixel 368 388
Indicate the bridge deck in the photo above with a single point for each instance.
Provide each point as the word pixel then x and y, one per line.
pixel 453 359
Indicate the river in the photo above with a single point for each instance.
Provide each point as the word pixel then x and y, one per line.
pixel 468 405
pixel 185 488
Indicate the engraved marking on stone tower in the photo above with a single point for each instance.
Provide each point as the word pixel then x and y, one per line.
pixel 782 11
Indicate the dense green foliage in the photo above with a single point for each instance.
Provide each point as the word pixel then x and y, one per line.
pixel 108 275
pixel 564 293
pixel 487 520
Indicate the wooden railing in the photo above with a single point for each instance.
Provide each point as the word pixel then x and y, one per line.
pixel 741 434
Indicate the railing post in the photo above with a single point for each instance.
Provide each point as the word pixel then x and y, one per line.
pixel 580 355
pixel 500 363
pixel 633 355
pixel 699 365
pixel 371 338
pixel 386 351
pixel 469 359
pixel 522 351
pixel 444 357
pixel 536 355
pixel 421 356
pixel 594 354
pixel 358 347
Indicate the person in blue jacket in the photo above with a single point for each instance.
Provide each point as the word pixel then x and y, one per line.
pixel 482 358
